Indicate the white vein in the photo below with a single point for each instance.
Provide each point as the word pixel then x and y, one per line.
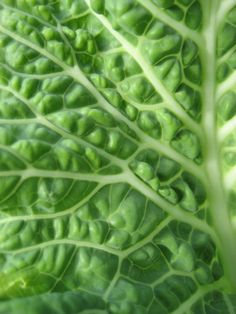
pixel 229 83
pixel 227 129
pixel 225 6
pixel 79 243
pixel 93 177
pixel 230 179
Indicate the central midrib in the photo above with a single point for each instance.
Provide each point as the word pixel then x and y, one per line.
pixel 218 201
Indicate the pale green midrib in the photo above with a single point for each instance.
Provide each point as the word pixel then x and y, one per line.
pixel 77 74
pixel 217 198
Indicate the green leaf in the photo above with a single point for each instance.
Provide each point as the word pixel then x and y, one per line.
pixel 117 157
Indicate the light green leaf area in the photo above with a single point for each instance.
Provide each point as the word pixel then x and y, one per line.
pixel 117 157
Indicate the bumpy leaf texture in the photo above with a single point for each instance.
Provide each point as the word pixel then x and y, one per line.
pixel 117 156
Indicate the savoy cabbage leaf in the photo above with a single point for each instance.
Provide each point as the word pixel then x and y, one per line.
pixel 117 156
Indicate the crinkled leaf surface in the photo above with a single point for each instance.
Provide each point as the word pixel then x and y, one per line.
pixel 117 156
